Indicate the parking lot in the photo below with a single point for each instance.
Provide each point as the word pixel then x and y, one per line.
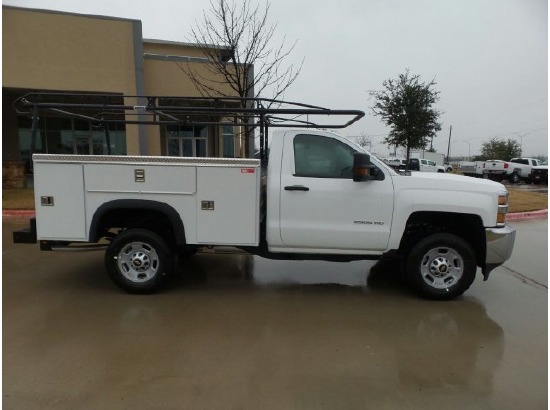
pixel 540 188
pixel 239 332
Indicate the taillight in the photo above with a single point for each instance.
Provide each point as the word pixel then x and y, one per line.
pixel 506 165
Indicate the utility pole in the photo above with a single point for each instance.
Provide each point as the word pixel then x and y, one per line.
pixel 449 146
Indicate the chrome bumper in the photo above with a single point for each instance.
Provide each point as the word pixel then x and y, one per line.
pixel 500 243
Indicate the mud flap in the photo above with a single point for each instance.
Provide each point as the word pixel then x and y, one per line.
pixel 26 235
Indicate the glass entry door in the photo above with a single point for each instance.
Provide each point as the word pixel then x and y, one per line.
pixel 186 141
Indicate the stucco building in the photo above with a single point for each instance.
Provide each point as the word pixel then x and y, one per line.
pixel 65 52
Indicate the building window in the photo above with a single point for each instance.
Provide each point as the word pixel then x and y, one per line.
pixel 228 138
pixel 56 135
pixel 186 141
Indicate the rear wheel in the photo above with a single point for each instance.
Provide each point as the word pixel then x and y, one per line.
pixel 139 261
pixel 441 266
pixel 514 178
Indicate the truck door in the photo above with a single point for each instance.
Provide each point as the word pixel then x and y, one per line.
pixel 321 207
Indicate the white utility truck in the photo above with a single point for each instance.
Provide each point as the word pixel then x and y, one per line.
pixel 516 170
pixel 472 168
pixel 425 165
pixel 316 195
pixel 434 159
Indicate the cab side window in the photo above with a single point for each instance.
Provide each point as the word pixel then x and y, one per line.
pixel 322 157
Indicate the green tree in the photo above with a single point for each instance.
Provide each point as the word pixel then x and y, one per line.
pixel 406 105
pixel 501 149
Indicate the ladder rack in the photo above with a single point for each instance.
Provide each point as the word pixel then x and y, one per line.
pixel 250 113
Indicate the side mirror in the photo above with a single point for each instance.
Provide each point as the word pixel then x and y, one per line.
pixel 362 167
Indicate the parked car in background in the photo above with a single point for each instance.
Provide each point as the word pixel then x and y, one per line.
pixel 471 168
pixel 515 170
pixel 396 163
pixel 425 165
pixel 539 174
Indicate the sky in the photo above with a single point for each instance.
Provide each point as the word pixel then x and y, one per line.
pixel 489 58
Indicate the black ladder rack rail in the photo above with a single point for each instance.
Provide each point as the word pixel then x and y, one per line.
pixel 105 109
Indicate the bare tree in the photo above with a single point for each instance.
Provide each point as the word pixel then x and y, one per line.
pixel 237 38
pixel 364 140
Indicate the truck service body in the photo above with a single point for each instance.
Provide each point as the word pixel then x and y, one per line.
pixel 472 168
pixel 316 196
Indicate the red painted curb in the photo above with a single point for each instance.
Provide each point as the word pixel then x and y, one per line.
pixel 523 216
pixel 520 216
pixel 18 213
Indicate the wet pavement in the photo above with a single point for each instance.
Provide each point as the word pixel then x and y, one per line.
pixel 538 188
pixel 241 332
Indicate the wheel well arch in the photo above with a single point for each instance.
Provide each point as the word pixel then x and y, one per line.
pixel 467 226
pixel 158 217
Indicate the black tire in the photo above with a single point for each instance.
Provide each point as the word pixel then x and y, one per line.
pixel 139 261
pixel 514 178
pixel 441 266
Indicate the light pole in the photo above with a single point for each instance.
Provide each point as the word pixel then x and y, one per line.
pixel 521 140
pixel 469 148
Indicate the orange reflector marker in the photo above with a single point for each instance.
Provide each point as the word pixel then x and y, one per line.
pixel 362 171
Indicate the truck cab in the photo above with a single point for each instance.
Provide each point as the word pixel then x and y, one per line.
pixel 314 205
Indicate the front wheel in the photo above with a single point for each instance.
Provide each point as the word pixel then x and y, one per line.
pixel 441 266
pixel 138 261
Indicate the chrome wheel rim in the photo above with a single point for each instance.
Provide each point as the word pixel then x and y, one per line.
pixel 441 267
pixel 138 262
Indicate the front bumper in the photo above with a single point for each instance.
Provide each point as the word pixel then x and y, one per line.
pixel 499 246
